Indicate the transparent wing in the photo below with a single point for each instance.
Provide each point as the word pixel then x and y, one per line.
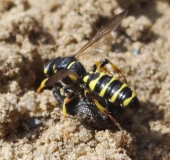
pixel 54 79
pixel 101 36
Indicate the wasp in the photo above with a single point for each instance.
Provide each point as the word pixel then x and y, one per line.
pixel 69 73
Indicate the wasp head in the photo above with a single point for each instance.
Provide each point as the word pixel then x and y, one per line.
pixel 57 64
pixel 50 67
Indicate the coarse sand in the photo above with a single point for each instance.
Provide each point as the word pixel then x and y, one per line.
pixel 32 126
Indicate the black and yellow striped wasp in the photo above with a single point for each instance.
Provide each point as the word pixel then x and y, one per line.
pixel 70 74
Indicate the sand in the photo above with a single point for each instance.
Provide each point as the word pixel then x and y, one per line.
pixel 32 126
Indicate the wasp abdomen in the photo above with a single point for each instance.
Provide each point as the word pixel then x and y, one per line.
pixel 111 89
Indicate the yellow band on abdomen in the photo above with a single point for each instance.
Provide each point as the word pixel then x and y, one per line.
pixel 128 100
pixel 93 83
pixel 102 92
pixel 113 98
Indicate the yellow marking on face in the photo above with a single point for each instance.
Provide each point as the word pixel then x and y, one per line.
pixel 113 98
pixel 93 83
pixel 45 70
pixel 69 66
pixel 128 100
pixel 54 68
pixel 42 85
pixel 102 92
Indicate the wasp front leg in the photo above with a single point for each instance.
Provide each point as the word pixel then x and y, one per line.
pixel 62 99
pixel 67 100
pixel 101 67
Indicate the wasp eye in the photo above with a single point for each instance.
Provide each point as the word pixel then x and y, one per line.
pixel 48 68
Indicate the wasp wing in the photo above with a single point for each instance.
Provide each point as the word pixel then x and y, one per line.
pixel 57 77
pixel 103 31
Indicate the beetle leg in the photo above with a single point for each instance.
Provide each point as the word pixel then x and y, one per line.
pixel 58 96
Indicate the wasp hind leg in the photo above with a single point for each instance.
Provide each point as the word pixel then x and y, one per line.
pixel 103 110
pixel 101 67
pixel 98 68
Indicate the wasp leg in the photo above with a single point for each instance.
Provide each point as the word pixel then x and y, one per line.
pixel 68 99
pixel 97 100
pixel 114 67
pixel 103 110
pixel 101 67
pixel 63 100
pixel 86 93
pixel 96 67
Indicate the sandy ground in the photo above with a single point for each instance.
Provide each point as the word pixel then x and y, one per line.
pixel 32 32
